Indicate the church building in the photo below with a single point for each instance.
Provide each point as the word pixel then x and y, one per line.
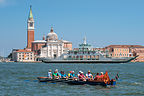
pixel 54 47
pixel 49 47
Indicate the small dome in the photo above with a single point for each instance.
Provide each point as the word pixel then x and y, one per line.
pixel 52 35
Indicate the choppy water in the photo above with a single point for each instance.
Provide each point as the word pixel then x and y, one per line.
pixel 19 79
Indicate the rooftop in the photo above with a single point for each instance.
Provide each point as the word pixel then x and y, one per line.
pixel 125 46
pixel 39 41
pixel 22 50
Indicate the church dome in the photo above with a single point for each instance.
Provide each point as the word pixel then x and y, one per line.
pixel 52 35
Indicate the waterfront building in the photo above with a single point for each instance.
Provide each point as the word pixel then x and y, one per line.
pixel 22 55
pixel 30 30
pixel 119 51
pixel 139 51
pixel 53 47
pixel 126 51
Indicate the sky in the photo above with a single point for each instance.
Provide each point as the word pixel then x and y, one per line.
pixel 103 22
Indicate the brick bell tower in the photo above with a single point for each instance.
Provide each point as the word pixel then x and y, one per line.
pixel 30 29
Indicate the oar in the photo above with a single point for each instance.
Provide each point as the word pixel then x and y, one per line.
pixel 117 76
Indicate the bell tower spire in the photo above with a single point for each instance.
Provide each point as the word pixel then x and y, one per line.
pixel 84 40
pixel 30 29
pixel 30 13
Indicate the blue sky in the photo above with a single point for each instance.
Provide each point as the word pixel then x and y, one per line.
pixel 104 22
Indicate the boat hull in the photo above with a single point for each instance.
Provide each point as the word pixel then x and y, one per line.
pixel 86 82
pixel 46 79
pixel 90 61
pixel 72 82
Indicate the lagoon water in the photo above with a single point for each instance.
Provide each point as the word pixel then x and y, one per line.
pixel 19 79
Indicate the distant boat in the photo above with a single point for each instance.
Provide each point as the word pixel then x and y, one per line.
pixel 106 60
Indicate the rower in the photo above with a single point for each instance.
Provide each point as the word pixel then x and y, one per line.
pixel 101 76
pixel 63 75
pixel 50 74
pixel 97 77
pixel 69 74
pixel 56 75
pixel 79 73
pixel 72 74
pixel 82 77
pixel 89 76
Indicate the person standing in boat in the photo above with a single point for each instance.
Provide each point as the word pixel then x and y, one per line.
pixel 56 75
pixel 89 76
pixel 50 74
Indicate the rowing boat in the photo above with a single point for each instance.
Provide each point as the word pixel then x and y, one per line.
pixel 75 82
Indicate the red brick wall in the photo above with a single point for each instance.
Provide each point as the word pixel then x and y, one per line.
pixel 36 47
pixel 30 38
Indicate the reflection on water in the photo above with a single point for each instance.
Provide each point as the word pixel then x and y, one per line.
pixel 20 79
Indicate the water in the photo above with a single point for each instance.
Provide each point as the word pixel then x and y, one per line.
pixel 19 79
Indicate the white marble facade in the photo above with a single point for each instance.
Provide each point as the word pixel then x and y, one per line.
pixel 54 48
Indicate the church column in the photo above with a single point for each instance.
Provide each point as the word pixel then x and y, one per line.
pixel 51 50
pixel 57 50
pixel 62 45
pixel 47 50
